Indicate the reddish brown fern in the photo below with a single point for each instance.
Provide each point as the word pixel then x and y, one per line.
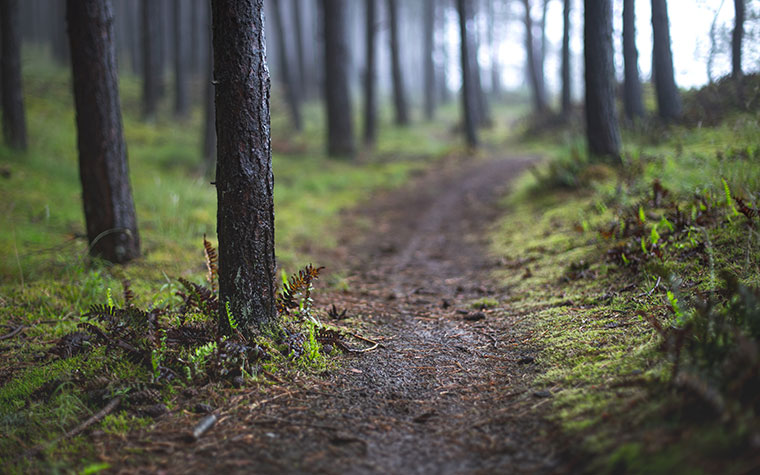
pixel 211 263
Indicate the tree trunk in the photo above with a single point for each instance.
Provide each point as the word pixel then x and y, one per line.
pixel 468 91
pixel 668 96
pixel 288 78
pixel 736 40
pixel 482 113
pixel 180 72
pixel 14 117
pixel 601 119
pixel 370 112
pixel 495 67
pixel 542 50
pixel 244 179
pixel 566 92
pixel 444 95
pixel 59 44
pixel 340 135
pixel 108 207
pixel 429 67
pixel 151 68
pixel 399 94
pixel 634 106
pixel 298 26
pixel 539 98
pixel 209 130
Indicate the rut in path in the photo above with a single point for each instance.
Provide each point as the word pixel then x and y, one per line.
pixel 446 394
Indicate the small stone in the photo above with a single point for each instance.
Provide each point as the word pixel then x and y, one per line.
pixel 542 394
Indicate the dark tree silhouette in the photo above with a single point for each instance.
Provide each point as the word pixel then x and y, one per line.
pixel 566 92
pixel 370 112
pixel 668 96
pixel 180 71
pixel 151 56
pixel 59 45
pixel 536 85
pixel 399 94
pixel 602 130
pixel 468 91
pixel 288 76
pixel 482 113
pixel 736 39
pixel 633 103
pixel 108 207
pixel 427 59
pixel 209 129
pixel 14 118
pixel 244 179
pixel 340 135
pixel 298 27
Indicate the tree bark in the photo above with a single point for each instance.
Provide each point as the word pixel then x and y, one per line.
pixel 399 93
pixel 736 39
pixel 288 78
pixel 539 97
pixel 108 207
pixel 370 112
pixel 668 96
pixel 428 66
pixel 602 130
pixel 14 117
pixel 468 91
pixel 340 135
pixel 180 71
pixel 566 86
pixel 151 67
pixel 244 179
pixel 634 105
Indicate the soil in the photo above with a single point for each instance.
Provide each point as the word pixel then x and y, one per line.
pixel 448 391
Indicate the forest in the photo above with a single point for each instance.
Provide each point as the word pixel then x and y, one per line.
pixel 380 236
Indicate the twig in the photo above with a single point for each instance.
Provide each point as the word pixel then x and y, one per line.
pixel 15 332
pixel 113 404
pixel 647 294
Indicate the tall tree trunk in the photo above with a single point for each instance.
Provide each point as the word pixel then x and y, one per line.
pixel 492 46
pixel 736 39
pixel 180 72
pixel 539 98
pixel 14 117
pixel 482 111
pixel 468 91
pixel 601 118
pixel 428 66
pixel 399 94
pixel 298 26
pixel 340 135
pixel 209 129
pixel 370 112
pixel 566 91
pixel 542 50
pixel 151 67
pixel 193 64
pixel 108 207
pixel 244 179
pixel 668 96
pixel 133 26
pixel 58 41
pixel 444 95
pixel 288 78
pixel 713 43
pixel 634 106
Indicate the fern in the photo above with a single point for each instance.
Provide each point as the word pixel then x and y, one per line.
pixel 212 259
pixel 299 285
pixel 230 317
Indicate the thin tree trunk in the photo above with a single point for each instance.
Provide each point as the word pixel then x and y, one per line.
pixel 108 207
pixel 429 67
pixel 14 117
pixel 482 111
pixel 244 179
pixel 539 99
pixel 370 112
pixel 495 67
pixel 736 40
pixel 288 78
pixel 566 91
pixel 601 118
pixel 668 96
pixel 298 26
pixel 151 68
pixel 634 105
pixel 59 44
pixel 180 73
pixel 209 130
pixel 542 53
pixel 444 95
pixel 195 45
pixel 340 135
pixel 399 94
pixel 468 91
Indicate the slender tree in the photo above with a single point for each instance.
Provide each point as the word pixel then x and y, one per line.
pixel 14 117
pixel 668 96
pixel 602 130
pixel 543 41
pixel 736 39
pixel 482 111
pixel 180 70
pixel 301 60
pixel 151 68
pixel 209 129
pixel 566 92
pixel 108 207
pixel 289 80
pixel 399 93
pixel 468 91
pixel 495 66
pixel 539 96
pixel 370 112
pixel 427 59
pixel 340 135
pixel 244 179
pixel 59 46
pixel 634 105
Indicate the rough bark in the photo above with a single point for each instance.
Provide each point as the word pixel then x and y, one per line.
pixel 668 96
pixel 151 65
pixel 180 71
pixel 565 73
pixel 736 39
pixel 289 80
pixel 602 130
pixel 539 97
pixel 370 108
pixel 428 66
pixel 244 179
pixel 399 94
pixel 340 135
pixel 633 103
pixel 14 117
pixel 468 91
pixel 108 207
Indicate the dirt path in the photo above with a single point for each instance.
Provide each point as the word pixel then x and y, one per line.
pixel 449 392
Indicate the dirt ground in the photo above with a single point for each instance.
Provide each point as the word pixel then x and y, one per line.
pixel 449 390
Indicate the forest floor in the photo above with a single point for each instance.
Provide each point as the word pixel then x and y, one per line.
pixel 448 391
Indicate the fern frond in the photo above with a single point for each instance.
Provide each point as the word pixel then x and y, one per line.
pixel 212 259
pixel 299 283
pixel 200 297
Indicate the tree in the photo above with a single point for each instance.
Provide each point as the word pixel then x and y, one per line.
pixel 468 91
pixel 180 71
pixel 108 207
pixel 209 129
pixel 244 179
pixel 340 135
pixel 634 106
pixel 301 62
pixel 427 58
pixel 536 85
pixel 286 73
pixel 495 66
pixel 482 114
pixel 14 117
pixel 668 96
pixel 565 73
pixel 736 40
pixel 399 94
pixel 370 112
pixel 602 130
pixel 151 68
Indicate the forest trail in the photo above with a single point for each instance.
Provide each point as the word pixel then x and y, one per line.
pixel 447 392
